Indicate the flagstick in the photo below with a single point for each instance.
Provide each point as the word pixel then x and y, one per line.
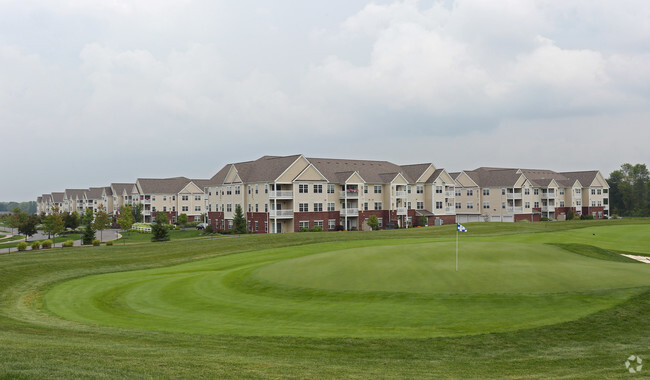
pixel 456 247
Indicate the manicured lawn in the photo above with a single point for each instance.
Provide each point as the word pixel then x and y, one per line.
pixel 352 305
pixel 139 237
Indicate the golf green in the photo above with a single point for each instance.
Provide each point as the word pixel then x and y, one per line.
pixel 368 288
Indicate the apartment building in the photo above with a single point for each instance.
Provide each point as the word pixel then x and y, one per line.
pixel 510 195
pixel 121 195
pixel 173 196
pixel 290 193
pixel 74 200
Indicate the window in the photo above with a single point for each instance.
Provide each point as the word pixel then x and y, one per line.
pixel 593 203
pixel 164 197
pixel 303 188
pixel 266 226
pixel 153 209
pixel 164 208
pixel 237 190
pixel 249 225
pixel 527 205
pixel 470 205
pixel 318 189
pixel 503 204
pixel 318 223
pixel 536 205
pixel 303 224
pixel 527 191
pixel 250 206
pixel 185 197
pixel 562 191
pixel 185 208
pixel 408 205
pixel 230 224
pixel 420 205
pixel 331 206
pixel 486 205
pixel 257 209
pixel 153 198
pixel 229 190
pixel 318 207
pixel 303 207
pixel 197 197
pixel 257 226
pixel 197 208
pixel 365 189
pixel 256 191
pixel 486 192
pixel 266 189
pixel 419 189
pixel 381 222
pixel 249 190
pixel 503 191
pixel 561 203
pixel 229 207
pixel 578 191
pixel 331 224
pixel 593 192
pixel 536 191
pixel 365 206
pixel 458 192
pixel 330 188
pixel 600 203
pixel 600 191
pixel 266 207
pixel 173 208
pixel 470 192
pixel 377 205
pixel 438 189
pixel 438 205
pixel 377 189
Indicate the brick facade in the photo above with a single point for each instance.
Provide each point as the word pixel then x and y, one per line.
pixel 311 217
pixel 261 218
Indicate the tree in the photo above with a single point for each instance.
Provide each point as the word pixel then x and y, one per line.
pixel 125 219
pixel 88 216
pixel 373 222
pixel 89 234
pixel 182 220
pixel 25 223
pixel 161 217
pixel 239 223
pixel 159 230
pixel 102 221
pixel 136 209
pixel 53 224
pixel 14 219
pixel 71 220
pixel 629 188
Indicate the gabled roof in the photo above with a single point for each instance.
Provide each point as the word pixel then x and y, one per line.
pixel 94 193
pixel 75 193
pixel 120 188
pixel 108 191
pixel 57 197
pixel 435 175
pixel 542 178
pixel 203 183
pixel 264 169
pixel 586 178
pixel 415 171
pixel 493 177
pixel 370 171
pixel 162 185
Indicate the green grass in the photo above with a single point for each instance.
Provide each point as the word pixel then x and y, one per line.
pixel 598 322
pixel 139 237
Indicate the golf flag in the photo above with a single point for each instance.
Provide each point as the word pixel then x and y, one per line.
pixel 460 228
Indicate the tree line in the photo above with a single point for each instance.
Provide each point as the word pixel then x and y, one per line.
pixel 26 207
pixel 629 190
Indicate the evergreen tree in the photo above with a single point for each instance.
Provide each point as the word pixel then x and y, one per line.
pixel 89 234
pixel 239 223
pixel 159 230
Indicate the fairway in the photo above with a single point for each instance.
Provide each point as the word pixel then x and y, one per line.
pixel 371 288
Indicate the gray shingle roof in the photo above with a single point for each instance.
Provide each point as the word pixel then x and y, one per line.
pixel 584 177
pixel 494 177
pixel 75 193
pixel 370 171
pixel 163 185
pixel 57 197
pixel 120 188
pixel 434 175
pixel 414 171
pixel 94 193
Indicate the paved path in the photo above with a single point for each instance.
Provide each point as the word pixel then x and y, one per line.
pixel 104 236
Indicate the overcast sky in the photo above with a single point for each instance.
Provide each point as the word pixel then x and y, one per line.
pixel 95 92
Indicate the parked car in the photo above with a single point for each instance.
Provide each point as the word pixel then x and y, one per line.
pixel 201 226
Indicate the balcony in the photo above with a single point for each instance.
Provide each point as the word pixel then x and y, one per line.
pixel 450 194
pixel 514 210
pixel 401 194
pixel 281 214
pixel 548 208
pixel 280 194
pixel 548 195
pixel 513 196
pixel 349 212
pixel 349 194
pixel 402 211
pixel 449 209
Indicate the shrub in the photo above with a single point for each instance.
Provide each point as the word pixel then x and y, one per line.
pixel 225 232
pixel 47 244
pixel 160 232
pixel 586 217
pixel 208 229
pixel 96 242
pixel 339 228
pixel 544 219
pixel 304 229
pixel 316 229
pixel 22 246
pixel 109 243
pixel 570 214
pixel 68 243
pixel 36 245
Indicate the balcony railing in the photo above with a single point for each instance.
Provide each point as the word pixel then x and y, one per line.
pixel 514 210
pixel 401 194
pixel 450 194
pixel 349 194
pixel 548 208
pixel 280 194
pixel 449 209
pixel 281 214
pixel 349 212
pixel 548 195
pixel 513 196
pixel 402 211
